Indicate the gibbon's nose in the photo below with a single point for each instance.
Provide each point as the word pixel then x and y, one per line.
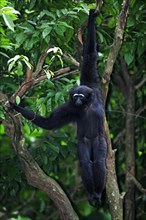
pixel 78 102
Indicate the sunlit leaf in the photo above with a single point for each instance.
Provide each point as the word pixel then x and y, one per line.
pixel 18 100
pixel 8 21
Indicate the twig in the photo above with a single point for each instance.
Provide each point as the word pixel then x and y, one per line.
pixel 74 72
pixel 137 183
pixel 56 73
pixel 140 84
pixel 71 59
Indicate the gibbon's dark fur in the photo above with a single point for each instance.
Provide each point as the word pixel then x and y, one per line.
pixel 86 109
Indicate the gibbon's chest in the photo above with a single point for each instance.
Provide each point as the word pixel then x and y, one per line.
pixel 88 123
pixel 90 116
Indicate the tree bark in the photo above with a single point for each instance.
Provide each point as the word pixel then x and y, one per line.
pixel 114 198
pixel 130 155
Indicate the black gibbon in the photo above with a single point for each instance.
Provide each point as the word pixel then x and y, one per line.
pixel 86 109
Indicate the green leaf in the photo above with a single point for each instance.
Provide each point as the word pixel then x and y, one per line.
pixel 27 63
pixel 18 100
pixel 50 84
pixel 59 30
pixel 141 47
pixel 57 97
pixel 130 22
pixel 111 22
pixel 20 38
pixel 69 34
pixel 2 129
pixel 47 39
pixel 129 58
pixel 53 147
pixel 8 21
pixel 64 24
pixel 4 54
pixel 3 3
pixel 11 65
pixel 48 74
pixel 45 12
pixel 20 69
pixel 27 128
pixel 15 58
pixel 101 37
pixel 43 109
pixel 10 11
pixel 46 31
pixel 2 31
pixel 27 27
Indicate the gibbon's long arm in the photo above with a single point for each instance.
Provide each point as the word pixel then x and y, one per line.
pixel 89 74
pixel 60 116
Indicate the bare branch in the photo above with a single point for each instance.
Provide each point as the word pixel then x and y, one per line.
pixel 139 111
pixel 119 136
pixel 41 62
pixel 140 84
pixel 26 85
pixel 137 183
pixel 58 72
pixel 71 59
pixel 74 72
pixel 117 79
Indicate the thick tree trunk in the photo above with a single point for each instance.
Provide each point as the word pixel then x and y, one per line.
pixel 115 200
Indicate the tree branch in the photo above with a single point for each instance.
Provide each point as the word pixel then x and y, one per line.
pixel 57 73
pixel 137 183
pixel 140 84
pixel 35 175
pixel 114 198
pixel 26 85
pixel 117 43
pixel 71 60
pixel 117 79
pixel 41 62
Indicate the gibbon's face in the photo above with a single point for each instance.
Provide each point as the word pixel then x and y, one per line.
pixel 81 95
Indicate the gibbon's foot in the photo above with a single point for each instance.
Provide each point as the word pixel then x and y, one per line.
pixel 94 199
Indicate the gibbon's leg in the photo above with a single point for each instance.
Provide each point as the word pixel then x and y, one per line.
pixel 86 165
pixel 99 166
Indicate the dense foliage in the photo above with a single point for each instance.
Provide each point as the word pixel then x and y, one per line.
pixel 27 29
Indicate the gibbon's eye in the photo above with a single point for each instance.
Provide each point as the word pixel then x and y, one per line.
pixel 80 95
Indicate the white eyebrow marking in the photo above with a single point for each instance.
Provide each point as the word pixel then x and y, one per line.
pixel 80 94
